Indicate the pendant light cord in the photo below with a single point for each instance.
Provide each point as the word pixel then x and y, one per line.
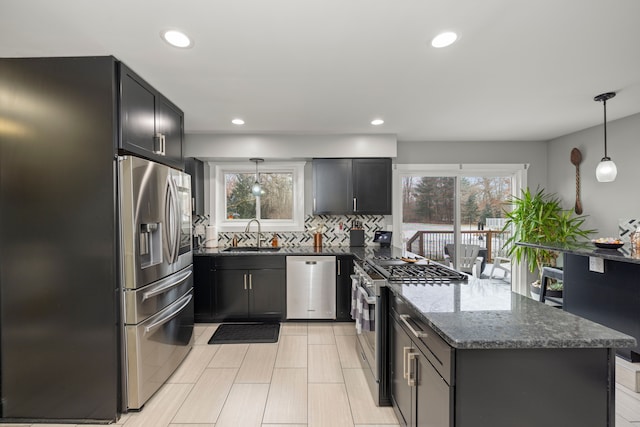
pixel 604 103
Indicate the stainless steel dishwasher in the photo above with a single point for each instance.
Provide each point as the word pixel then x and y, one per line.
pixel 311 287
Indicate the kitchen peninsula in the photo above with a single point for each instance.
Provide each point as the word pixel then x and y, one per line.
pixel 497 358
pixel 602 285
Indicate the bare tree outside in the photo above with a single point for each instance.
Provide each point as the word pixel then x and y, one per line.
pixel 276 201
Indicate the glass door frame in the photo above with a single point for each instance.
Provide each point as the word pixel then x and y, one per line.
pixel 517 172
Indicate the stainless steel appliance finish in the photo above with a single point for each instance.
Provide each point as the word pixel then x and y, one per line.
pixel 155 211
pixel 156 347
pixel 311 287
pixel 372 345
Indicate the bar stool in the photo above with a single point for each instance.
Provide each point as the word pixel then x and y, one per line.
pixel 550 273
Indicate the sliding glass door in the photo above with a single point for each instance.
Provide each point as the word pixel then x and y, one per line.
pixel 450 214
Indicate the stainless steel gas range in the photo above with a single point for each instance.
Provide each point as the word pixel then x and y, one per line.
pixel 370 305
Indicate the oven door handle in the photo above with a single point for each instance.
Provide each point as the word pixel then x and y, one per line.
pixel 367 298
pixel 167 318
pixel 418 334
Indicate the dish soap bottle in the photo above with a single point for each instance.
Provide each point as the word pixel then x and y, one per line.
pixel 274 240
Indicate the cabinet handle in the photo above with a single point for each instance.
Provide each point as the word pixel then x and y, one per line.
pixel 339 264
pixel 244 277
pixel 411 379
pixel 157 143
pixel 405 373
pixel 193 204
pixel 314 204
pixel 250 281
pixel 418 334
pixel 164 144
pixel 355 204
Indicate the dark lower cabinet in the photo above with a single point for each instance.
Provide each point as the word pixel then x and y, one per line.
pixel 435 385
pixel 250 294
pixel 249 288
pixel 420 396
pixel 203 285
pixel 344 270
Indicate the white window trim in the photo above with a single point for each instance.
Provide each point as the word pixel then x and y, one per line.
pixel 217 171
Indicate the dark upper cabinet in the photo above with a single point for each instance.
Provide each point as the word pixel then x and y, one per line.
pixel 352 186
pixel 152 126
pixel 170 129
pixel 332 191
pixel 372 186
pixel 195 168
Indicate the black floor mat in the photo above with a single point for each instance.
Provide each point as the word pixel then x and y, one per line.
pixel 241 333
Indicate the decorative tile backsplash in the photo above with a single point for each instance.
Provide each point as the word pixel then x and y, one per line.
pixel 332 235
pixel 626 227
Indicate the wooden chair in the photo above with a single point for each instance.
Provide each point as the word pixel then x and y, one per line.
pixel 468 258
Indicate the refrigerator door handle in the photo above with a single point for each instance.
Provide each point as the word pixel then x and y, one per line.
pixel 171 220
pixel 165 286
pixel 164 319
pixel 178 225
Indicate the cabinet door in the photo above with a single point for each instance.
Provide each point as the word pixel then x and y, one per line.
pixel 137 106
pixel 401 392
pixel 372 186
pixel 432 394
pixel 195 168
pixel 332 192
pixel 344 266
pixel 231 294
pixel 203 283
pixel 267 294
pixel 169 126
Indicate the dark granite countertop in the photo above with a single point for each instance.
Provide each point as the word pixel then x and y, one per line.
pixel 478 314
pixel 623 254
pixel 361 252
pixel 483 314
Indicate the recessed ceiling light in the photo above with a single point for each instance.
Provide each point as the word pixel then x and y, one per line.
pixel 237 121
pixel 377 122
pixel 444 39
pixel 176 38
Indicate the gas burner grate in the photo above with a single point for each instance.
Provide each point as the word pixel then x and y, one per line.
pixel 422 273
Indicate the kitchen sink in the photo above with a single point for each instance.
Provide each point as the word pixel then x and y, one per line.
pixel 251 249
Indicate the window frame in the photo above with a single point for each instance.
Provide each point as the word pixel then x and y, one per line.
pixel 218 171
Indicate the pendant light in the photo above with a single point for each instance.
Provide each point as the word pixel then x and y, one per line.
pixel 256 189
pixel 606 170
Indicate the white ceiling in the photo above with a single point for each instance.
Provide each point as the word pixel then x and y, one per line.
pixel 521 70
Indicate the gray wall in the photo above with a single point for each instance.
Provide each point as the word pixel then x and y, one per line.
pixel 532 152
pixel 604 202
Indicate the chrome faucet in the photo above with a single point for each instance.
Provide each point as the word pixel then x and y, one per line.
pixel 259 237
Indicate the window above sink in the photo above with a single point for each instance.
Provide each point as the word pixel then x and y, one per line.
pixel 281 208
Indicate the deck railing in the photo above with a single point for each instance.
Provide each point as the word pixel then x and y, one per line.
pixel 430 244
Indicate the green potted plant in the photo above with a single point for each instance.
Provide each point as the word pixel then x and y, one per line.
pixel 539 218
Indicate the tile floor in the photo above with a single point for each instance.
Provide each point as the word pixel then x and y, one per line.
pixel 311 377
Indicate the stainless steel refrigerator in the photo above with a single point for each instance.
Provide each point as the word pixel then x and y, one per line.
pixel 96 304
